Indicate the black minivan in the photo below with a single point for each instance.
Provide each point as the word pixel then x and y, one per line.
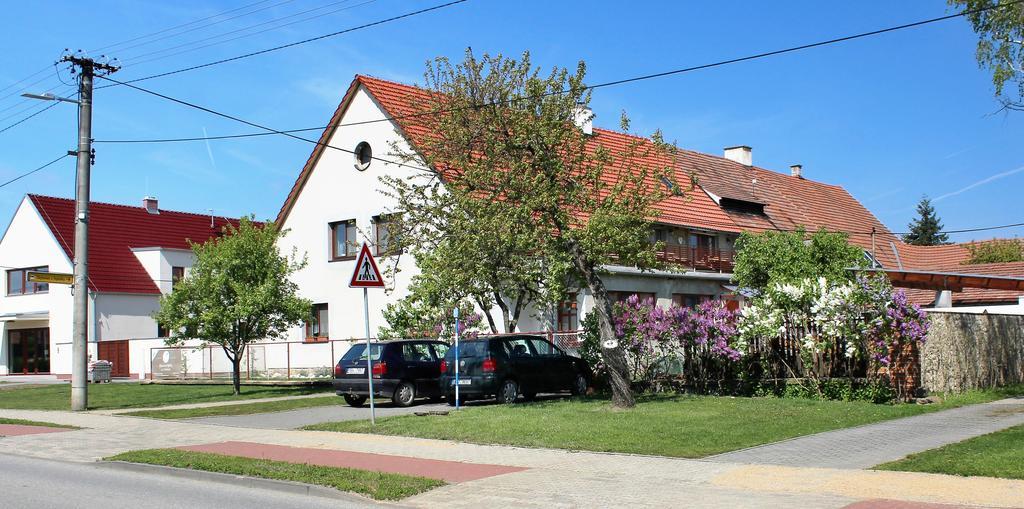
pixel 504 367
pixel 402 370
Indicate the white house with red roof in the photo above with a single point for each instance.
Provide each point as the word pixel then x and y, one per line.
pixel 135 255
pixel 336 204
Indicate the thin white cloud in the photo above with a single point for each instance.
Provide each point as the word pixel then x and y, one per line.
pixel 209 151
pixel 981 182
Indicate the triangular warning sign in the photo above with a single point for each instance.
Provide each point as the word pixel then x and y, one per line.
pixel 366 274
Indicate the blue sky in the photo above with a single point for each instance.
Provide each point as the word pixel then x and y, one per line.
pixel 889 118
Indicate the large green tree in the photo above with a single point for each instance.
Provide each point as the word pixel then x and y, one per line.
pixel 1000 28
pixel 238 291
pixel 788 257
pixel 535 203
pixel 926 228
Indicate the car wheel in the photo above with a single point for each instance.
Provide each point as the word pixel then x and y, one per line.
pixel 404 395
pixel 579 385
pixel 356 401
pixel 508 392
pixel 451 400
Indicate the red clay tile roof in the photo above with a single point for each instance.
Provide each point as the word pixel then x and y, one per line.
pixel 695 209
pixel 114 230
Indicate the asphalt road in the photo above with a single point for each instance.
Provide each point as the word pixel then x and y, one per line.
pixel 32 483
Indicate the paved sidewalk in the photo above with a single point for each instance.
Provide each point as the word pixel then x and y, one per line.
pixel 554 478
pixel 118 411
pixel 873 444
pixel 292 419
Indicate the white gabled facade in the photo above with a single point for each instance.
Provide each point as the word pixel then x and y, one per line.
pixel 334 191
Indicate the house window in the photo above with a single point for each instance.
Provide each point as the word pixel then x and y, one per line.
pixel 162 332
pixel 343 240
pixel 703 243
pixel 645 297
pixel 18 283
pixel 689 300
pixel 568 314
pixel 385 231
pixel 177 274
pixel 316 326
pixel 363 155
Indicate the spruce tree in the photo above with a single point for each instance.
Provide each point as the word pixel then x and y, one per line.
pixel 926 230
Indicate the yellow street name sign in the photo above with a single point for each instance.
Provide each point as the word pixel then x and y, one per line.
pixel 57 278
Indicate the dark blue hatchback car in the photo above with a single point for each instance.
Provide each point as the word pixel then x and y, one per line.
pixel 402 370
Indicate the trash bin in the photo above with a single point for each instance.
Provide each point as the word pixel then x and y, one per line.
pixel 99 371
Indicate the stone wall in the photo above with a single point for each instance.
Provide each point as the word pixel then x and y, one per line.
pixel 970 350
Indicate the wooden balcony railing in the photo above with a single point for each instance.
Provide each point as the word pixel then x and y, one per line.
pixel 698 258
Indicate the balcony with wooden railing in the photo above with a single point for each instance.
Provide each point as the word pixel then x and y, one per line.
pixel 698 258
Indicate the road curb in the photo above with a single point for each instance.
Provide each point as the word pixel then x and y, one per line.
pixel 290 487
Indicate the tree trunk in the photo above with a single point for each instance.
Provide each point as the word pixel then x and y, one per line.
pixel 614 358
pixel 236 376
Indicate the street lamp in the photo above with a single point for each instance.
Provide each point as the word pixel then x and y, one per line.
pixel 49 97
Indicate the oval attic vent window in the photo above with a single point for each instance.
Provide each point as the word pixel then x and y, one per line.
pixel 363 155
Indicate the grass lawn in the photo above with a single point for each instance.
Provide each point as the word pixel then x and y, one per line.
pixel 23 422
pixel 999 454
pixel 680 426
pixel 243 409
pixel 378 485
pixel 135 395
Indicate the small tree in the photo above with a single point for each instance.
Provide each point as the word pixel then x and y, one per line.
pixel 237 292
pixel 787 257
pixel 528 201
pixel 996 251
pixel 926 229
pixel 1001 45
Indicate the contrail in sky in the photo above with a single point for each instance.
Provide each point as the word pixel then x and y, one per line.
pixel 208 149
pixel 981 182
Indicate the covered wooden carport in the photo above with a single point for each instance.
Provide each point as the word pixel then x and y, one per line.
pixel 944 282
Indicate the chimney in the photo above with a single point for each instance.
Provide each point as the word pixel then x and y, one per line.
pixel 583 117
pixel 150 204
pixel 741 154
pixel 797 170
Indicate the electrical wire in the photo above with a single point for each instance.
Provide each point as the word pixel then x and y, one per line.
pixel 271 130
pixel 165 30
pixel 193 29
pixel 296 43
pixel 389 118
pixel 23 175
pixel 28 117
pixel 136 60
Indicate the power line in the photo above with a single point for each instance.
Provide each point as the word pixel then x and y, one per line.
pixel 165 30
pixel 253 124
pixel 133 61
pixel 387 118
pixel 23 175
pixel 193 29
pixel 28 117
pixel 290 135
pixel 296 43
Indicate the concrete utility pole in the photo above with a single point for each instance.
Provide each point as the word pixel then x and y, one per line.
pixel 80 325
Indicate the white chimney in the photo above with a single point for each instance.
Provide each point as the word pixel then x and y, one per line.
pixel 741 154
pixel 797 170
pixel 583 117
pixel 150 204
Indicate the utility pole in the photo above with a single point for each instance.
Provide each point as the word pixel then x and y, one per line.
pixel 80 326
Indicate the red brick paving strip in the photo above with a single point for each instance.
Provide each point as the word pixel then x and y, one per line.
pixel 450 471
pixel 899 504
pixel 13 430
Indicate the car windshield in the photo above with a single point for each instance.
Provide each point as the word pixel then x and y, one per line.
pixel 469 349
pixel 358 352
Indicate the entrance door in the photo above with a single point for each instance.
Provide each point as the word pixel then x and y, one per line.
pixel 29 350
pixel 117 353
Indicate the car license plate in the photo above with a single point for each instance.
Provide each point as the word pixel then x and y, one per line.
pixel 465 381
pixel 355 371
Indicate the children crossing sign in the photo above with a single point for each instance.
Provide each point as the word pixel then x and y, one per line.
pixel 366 274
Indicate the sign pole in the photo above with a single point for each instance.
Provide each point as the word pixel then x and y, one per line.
pixel 369 354
pixel 456 357
pixel 366 275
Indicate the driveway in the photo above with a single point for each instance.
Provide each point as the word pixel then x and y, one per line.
pixel 292 419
